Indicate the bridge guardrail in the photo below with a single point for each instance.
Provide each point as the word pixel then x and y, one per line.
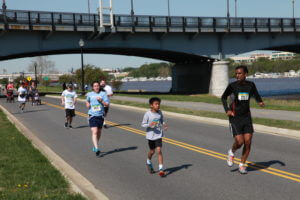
pixel 84 19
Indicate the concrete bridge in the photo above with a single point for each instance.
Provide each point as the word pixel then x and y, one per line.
pixel 192 43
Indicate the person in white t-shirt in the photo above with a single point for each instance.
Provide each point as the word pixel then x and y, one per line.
pixel 68 99
pixel 109 92
pixel 22 97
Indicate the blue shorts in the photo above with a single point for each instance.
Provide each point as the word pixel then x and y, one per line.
pixel 96 121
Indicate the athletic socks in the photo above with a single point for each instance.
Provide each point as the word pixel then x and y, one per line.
pixel 230 152
pixel 149 162
pixel 160 167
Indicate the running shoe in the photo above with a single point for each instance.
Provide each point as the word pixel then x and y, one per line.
pixel 162 173
pixel 97 151
pixel 230 160
pixel 150 168
pixel 243 169
pixel 70 126
pixel 66 125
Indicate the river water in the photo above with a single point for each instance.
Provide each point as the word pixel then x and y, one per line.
pixel 266 86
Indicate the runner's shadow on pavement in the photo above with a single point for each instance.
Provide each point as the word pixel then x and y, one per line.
pixel 83 126
pixel 30 111
pixel 172 170
pixel 112 126
pixel 261 165
pixel 118 150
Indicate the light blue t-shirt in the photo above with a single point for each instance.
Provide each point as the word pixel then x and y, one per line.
pixel 97 108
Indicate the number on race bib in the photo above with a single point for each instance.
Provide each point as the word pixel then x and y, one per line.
pixel 243 96
pixel 96 108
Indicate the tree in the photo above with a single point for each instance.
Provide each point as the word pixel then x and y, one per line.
pixel 43 65
pixel 67 78
pixel 4 81
pixel 91 74
pixel 152 70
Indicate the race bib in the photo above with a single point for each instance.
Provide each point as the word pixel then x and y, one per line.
pixel 156 122
pixel 243 96
pixel 70 103
pixel 96 108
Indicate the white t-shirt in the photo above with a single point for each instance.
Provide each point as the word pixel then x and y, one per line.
pixel 22 92
pixel 69 99
pixel 108 90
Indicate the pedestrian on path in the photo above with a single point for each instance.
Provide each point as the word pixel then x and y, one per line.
pixel 22 92
pixel 155 126
pixel 239 114
pixel 109 92
pixel 95 102
pixel 68 99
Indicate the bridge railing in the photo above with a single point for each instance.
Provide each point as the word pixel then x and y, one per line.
pixel 83 19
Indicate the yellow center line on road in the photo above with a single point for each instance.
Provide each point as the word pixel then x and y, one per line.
pixel 266 169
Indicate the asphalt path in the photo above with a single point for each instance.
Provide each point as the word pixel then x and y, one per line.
pixel 255 112
pixel 194 156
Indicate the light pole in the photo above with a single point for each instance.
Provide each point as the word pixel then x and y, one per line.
pixel 81 44
pixel 89 11
pixel 235 8
pixel 4 10
pixel 293 2
pixel 3 5
pixel 169 8
pixel 228 15
pixel 131 12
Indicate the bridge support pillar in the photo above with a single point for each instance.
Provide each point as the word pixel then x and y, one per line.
pixel 219 78
pixel 191 78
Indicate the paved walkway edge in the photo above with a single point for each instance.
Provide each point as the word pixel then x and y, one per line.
pixel 78 183
pixel 214 121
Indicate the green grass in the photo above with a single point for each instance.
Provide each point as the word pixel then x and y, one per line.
pixel 24 172
pixel 267 122
pixel 272 104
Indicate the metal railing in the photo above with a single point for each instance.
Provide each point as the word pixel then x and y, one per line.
pixel 83 19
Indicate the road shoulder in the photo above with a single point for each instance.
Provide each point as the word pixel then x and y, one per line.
pixel 78 183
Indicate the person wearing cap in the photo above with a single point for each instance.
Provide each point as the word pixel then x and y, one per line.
pixel 68 99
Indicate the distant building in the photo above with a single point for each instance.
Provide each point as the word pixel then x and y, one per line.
pixel 254 57
pixel 282 56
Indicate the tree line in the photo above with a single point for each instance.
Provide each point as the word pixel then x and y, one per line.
pixel 162 69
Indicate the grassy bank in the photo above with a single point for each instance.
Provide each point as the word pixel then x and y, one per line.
pixel 272 104
pixel 267 122
pixel 24 172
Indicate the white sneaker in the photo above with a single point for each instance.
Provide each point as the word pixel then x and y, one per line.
pixel 243 169
pixel 230 159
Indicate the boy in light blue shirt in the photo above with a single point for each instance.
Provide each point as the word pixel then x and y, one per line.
pixel 95 102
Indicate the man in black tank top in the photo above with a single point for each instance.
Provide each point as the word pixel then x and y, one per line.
pixel 239 114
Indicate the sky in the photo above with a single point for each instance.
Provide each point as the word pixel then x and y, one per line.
pixel 217 8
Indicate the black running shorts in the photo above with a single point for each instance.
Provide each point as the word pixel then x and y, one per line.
pixel 96 121
pixel 70 112
pixel 241 125
pixel 155 143
pixel 106 109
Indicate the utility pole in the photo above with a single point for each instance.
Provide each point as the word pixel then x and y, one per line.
pixel 89 11
pixel 235 8
pixel 132 11
pixel 168 8
pixel 293 2
pixel 35 73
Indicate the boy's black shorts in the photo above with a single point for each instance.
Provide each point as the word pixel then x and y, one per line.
pixel 70 112
pixel 155 143
pixel 241 125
